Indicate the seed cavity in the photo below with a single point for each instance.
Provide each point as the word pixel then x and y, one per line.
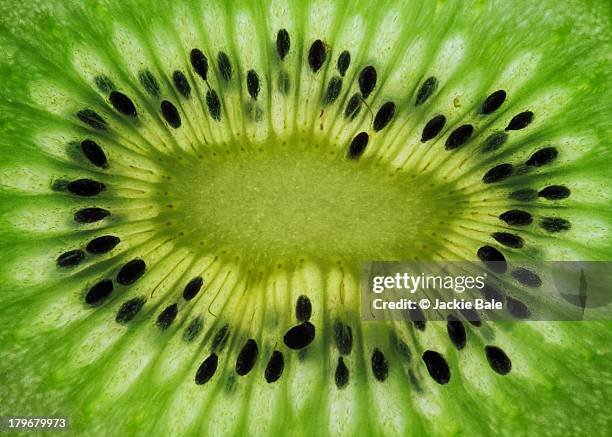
pixel 516 217
pixel 94 153
pixel 220 339
pixel 167 316
pixel 247 357
pixel 524 195
pixel 433 128
pixel 192 288
pixel 92 118
pixel 493 259
pixel 344 60
pixel 471 315
pixel 85 187
pixel 317 55
pixel 384 116
pixel 520 121
pixel 459 137
pixel 527 277
pixel 213 103
pixel 494 141
pixel 71 258
pixel 358 145
pixel 90 215
pixel 498 360
pixel 400 346
pixel 303 309
pixel 554 192
pixel 98 293
pixel 275 367
pixel 104 84
pixel 283 43
pixel 343 335
pixel 437 366
pixel 380 366
pixel 342 374
pixel 507 239
pixel 493 102
pixel 333 90
pixel 193 330
pixel 171 114
pixel 427 89
pixel 417 317
pixel 122 104
pixel 181 83
pixel 102 244
pixel 131 272
pixel 207 369
pixel 283 82
pixel 353 107
pixel 498 173
pixel 253 84
pixel 517 308
pixel 542 157
pixel 300 336
pixel 129 310
pixel 456 331
pixel 149 83
pixel 555 224
pixel 367 81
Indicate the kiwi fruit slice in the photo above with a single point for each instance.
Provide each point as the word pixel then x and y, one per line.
pixel 188 191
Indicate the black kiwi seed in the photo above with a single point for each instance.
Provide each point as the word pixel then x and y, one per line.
pixel 493 102
pixel 207 369
pixel 275 367
pixel 102 244
pixel 181 83
pixel 131 272
pixel 516 217
pixel 92 118
pixel 554 192
pixel 524 195
pixel 459 137
pixel 417 317
pixel 303 309
pixel 342 374
pixel 252 84
pixel 494 141
pixel 344 60
pixel 104 84
pixel 85 187
pixel 94 153
pixel 70 258
pixel 90 215
pixel 527 277
pixel 192 288
pixel 300 336
pixel 193 329
pixel 220 338
pixel 199 62
pixel 99 292
pixel 167 316
pixel 384 116
pixel 456 331
pixel 225 68
pixel 433 128
pixel 317 55
pixel 353 106
pixel 122 103
pixel 517 308
pixel 491 293
pixel 498 360
pixel 507 239
pixel 171 114
pixel 129 309
pixel 380 366
pixel 520 121
pixel 333 90
pixel 213 103
pixel 367 81
pixel 247 357
pixel 555 224
pixel 343 335
pixel 471 315
pixel 437 366
pixel 493 258
pixel 426 90
pixel 283 43
pixel 498 173
pixel 148 82
pixel 400 346
pixel 542 157
pixel 358 145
